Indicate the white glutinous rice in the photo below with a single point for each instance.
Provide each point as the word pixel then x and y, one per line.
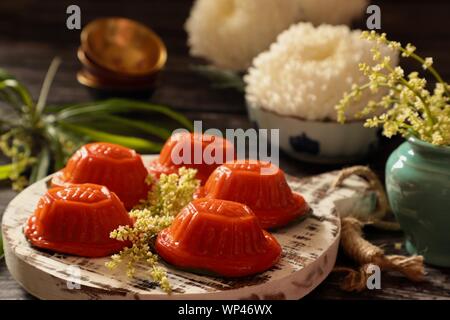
pixel 308 69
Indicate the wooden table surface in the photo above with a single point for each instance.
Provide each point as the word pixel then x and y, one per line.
pixel 32 32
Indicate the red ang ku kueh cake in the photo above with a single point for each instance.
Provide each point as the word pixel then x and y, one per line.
pixel 220 237
pixel 221 231
pixel 77 220
pixel 198 146
pixel 118 168
pixel 260 185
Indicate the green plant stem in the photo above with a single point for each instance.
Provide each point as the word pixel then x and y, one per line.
pixel 5 171
pixel 410 128
pixel 40 168
pixel 130 142
pixel 10 100
pixel 367 86
pixel 52 136
pixel 431 69
pixel 46 85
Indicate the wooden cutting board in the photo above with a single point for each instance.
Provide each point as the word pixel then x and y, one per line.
pixel 309 252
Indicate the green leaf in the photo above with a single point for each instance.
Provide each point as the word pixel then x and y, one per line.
pixel 55 146
pixel 143 106
pixel 101 136
pixel 48 80
pixel 11 99
pixel 122 106
pixel 5 171
pixel 119 125
pixel 5 75
pixel 13 92
pixel 220 78
pixel 40 168
pixel 52 109
pixel 18 89
pixel 147 127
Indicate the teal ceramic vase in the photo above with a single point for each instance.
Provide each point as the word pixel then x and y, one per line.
pixel 418 187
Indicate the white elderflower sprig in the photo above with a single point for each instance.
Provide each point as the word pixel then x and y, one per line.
pixel 428 63
pixel 166 198
pixel 409 107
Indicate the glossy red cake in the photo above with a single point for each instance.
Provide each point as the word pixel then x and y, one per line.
pixel 220 237
pixel 77 220
pixel 116 167
pixel 260 185
pixel 199 147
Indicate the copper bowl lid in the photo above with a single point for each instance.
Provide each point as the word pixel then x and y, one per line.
pixel 108 75
pixel 123 46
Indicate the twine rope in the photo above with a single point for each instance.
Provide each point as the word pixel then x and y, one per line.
pixel 362 251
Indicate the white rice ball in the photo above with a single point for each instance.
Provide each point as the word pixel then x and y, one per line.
pixel 230 33
pixel 307 70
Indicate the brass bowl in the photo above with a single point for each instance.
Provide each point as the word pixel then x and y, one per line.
pixel 123 46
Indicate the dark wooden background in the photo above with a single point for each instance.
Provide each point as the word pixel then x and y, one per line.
pixel 32 32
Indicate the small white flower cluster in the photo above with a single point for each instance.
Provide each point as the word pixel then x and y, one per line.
pixel 308 69
pixel 230 33
pixel 166 198
pixel 408 108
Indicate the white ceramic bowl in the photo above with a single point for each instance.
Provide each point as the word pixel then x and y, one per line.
pixel 318 141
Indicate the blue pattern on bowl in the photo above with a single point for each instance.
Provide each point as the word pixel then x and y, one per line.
pixel 302 143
